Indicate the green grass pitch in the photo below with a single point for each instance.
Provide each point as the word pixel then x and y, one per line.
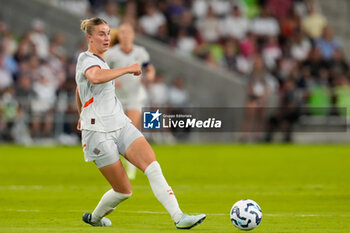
pixel 302 189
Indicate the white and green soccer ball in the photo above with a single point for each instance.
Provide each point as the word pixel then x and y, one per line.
pixel 246 214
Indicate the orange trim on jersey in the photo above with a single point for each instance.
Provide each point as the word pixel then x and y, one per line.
pixel 84 146
pixel 87 103
pixel 90 68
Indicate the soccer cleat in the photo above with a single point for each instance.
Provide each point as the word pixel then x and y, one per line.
pixel 189 221
pixel 104 222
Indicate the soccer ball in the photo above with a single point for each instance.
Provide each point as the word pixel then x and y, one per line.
pixel 246 214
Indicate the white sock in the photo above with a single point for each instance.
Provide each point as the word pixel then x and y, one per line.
pixel 163 191
pixel 107 204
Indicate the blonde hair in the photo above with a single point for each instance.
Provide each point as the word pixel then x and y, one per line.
pixel 87 24
pixel 114 37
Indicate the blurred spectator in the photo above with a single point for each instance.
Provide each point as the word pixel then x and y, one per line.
pixel 342 93
pixel 248 50
pixel 185 23
pixel 8 42
pixel 24 92
pixel 130 14
pixel 163 35
pixel 158 92
pixel 212 53
pixel 66 105
pixel 9 61
pixel 81 47
pixel 8 112
pixel 314 23
pixel 178 96
pixel 78 7
pixel 199 8
pixel 315 62
pixel 3 29
pixel 175 11
pixel 279 9
pixel 152 20
pixel 265 25
pixel 54 67
pixel 338 65
pixel 285 65
pixel 260 84
pixel 235 25
pixel 185 43
pixel 305 82
pixel 229 59
pixel 43 104
pixel 221 7
pixel 5 75
pixel 26 49
pixel 209 27
pixel 39 38
pixel 285 117
pixel 290 24
pixel 319 96
pixel 57 46
pixel 327 43
pixel 271 52
pixel 110 14
pixel 251 8
pixel 300 47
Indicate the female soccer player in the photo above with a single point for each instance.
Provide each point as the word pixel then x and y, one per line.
pixel 129 88
pixel 107 131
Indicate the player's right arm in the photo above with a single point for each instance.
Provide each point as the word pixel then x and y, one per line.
pixel 96 75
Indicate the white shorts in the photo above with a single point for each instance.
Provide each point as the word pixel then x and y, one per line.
pixel 104 148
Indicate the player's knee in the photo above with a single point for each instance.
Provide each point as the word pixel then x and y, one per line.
pixel 127 195
pixel 123 196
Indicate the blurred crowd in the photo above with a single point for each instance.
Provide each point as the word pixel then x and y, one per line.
pixel 37 87
pixel 283 47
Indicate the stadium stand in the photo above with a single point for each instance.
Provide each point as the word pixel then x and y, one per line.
pixel 285 51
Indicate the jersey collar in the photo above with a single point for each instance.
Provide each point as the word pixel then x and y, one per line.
pixel 96 56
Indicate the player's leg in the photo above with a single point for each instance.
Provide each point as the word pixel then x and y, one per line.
pixel 135 117
pixel 121 190
pixel 102 149
pixel 142 156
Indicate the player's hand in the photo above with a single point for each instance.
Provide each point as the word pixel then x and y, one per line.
pixel 79 125
pixel 135 69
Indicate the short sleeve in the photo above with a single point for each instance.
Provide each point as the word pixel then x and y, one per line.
pixel 89 63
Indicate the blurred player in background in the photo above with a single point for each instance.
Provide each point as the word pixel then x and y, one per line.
pixel 130 89
pixel 107 131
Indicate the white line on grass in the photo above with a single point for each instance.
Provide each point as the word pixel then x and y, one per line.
pixel 209 214
pixel 22 210
pixel 265 214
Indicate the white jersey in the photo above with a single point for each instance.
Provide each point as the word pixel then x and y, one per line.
pixel 101 110
pixel 131 87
